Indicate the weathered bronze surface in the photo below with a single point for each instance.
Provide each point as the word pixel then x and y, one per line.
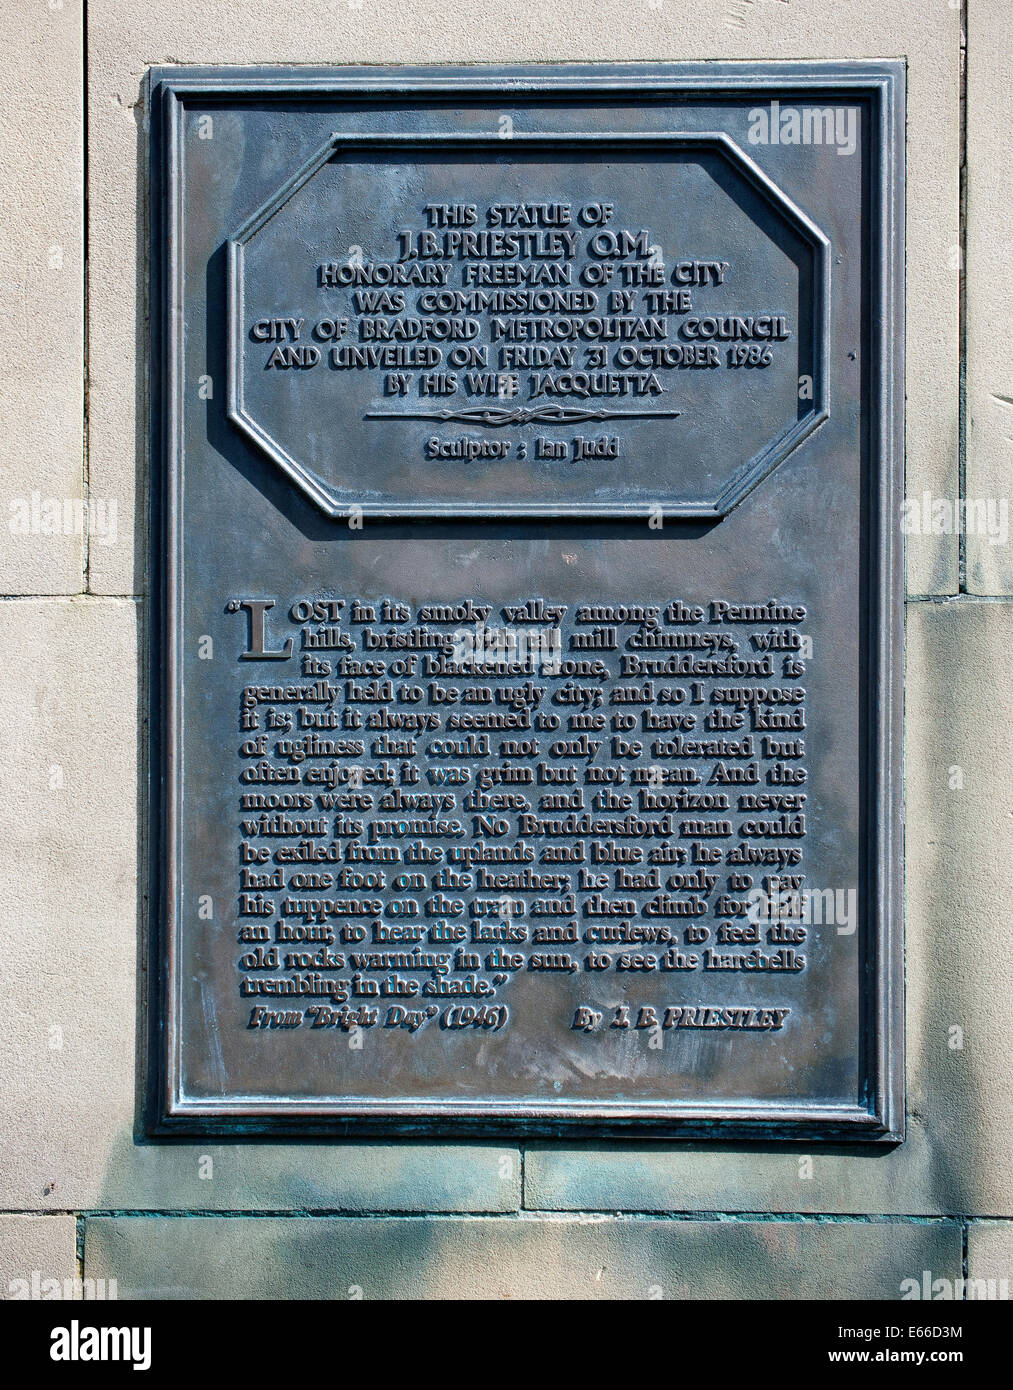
pixel 526 722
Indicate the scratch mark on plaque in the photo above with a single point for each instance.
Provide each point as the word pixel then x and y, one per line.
pixel 213 1035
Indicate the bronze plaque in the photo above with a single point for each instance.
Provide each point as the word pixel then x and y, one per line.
pixel 526 722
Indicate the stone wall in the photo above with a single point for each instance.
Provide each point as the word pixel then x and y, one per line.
pixel 82 1193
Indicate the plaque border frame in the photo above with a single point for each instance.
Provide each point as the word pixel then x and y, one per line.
pixel 163 1112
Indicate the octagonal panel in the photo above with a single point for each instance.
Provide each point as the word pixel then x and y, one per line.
pixel 543 324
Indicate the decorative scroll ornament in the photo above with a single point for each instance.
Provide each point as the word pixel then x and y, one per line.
pixel 494 416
